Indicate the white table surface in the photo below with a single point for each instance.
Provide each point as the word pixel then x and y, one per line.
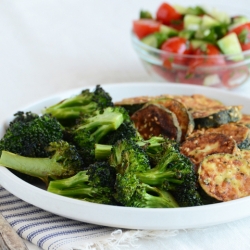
pixel 51 46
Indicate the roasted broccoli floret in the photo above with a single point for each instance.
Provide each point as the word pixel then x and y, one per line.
pixel 129 159
pixel 64 161
pixel 95 184
pixel 92 129
pixel 86 103
pixel 30 134
pixel 146 196
pixel 175 173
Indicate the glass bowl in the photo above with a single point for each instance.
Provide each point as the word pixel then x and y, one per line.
pixel 170 67
pixel 222 71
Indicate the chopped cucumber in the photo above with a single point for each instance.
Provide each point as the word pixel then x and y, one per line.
pixel 187 34
pixel 208 22
pixel 155 40
pixel 192 22
pixel 195 44
pixel 230 45
pixel 221 16
pixel 180 9
pixel 211 80
pixel 168 30
pixel 190 10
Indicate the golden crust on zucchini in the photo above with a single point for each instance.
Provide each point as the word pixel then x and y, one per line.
pixel 196 148
pixel 183 116
pixel 154 119
pixel 225 176
pixel 245 119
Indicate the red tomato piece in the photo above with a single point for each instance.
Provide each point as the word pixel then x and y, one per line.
pixel 167 14
pixel 240 28
pixel 243 33
pixel 208 55
pixel 245 46
pixel 177 46
pixel 144 27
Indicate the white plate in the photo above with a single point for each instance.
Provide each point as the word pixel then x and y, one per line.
pixel 124 217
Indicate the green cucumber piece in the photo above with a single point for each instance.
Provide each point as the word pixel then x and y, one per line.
pixel 192 22
pixel 197 10
pixel 168 30
pixel 187 34
pixel 221 16
pixel 195 44
pixel 208 22
pixel 230 45
pixel 155 40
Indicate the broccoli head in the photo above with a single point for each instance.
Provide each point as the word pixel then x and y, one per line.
pixel 85 103
pixel 129 159
pixel 92 129
pixel 94 185
pixel 29 134
pixel 175 173
pixel 64 161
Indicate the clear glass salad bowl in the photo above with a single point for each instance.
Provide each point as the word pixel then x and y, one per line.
pixel 221 70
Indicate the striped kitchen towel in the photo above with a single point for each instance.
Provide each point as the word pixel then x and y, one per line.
pixel 52 232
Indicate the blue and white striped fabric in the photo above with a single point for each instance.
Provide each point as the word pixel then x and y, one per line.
pixel 49 231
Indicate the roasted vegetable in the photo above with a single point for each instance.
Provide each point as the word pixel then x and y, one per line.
pixel 225 176
pixel 216 116
pixel 183 116
pixel 197 147
pixel 239 132
pixel 154 120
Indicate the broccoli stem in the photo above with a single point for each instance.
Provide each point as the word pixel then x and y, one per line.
pixel 102 151
pixel 152 146
pixel 159 174
pixel 64 112
pixel 110 118
pixel 43 168
pixel 75 186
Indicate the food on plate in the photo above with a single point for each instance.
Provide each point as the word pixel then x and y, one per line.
pixel 146 152
pixel 225 176
pixel 199 45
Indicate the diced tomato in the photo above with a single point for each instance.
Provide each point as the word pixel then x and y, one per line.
pixel 245 46
pixel 167 14
pixel 208 55
pixel 177 24
pixel 144 27
pixel 178 46
pixel 243 33
pixel 240 28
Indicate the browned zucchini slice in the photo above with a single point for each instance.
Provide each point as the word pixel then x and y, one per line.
pixel 245 153
pixel 154 119
pixel 245 119
pixel 184 117
pixel 196 148
pixel 197 101
pixel 216 116
pixel 134 103
pixel 225 176
pixel 239 132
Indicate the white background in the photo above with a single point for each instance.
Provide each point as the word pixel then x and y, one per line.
pixel 50 46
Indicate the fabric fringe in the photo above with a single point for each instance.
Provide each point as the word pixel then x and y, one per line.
pixel 126 239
